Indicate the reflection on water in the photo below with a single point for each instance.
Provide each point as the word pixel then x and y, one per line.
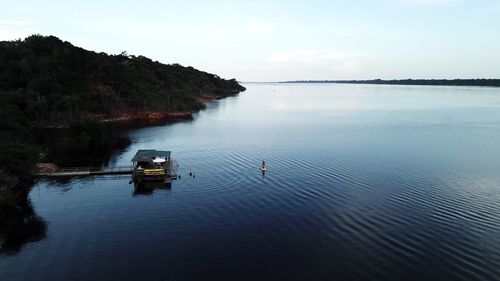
pixel 147 188
pixel 365 183
pixel 19 223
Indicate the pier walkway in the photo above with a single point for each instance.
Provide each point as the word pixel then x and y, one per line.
pixel 88 171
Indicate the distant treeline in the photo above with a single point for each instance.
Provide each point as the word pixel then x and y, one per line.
pixel 423 82
pixel 45 81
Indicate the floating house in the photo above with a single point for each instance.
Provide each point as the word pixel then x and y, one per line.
pixel 153 165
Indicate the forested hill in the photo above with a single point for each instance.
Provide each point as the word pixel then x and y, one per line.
pixel 48 80
pixel 419 82
pixel 45 81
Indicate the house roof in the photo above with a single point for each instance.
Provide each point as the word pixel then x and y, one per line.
pixel 149 154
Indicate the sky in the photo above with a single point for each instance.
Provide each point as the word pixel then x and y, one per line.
pixel 280 40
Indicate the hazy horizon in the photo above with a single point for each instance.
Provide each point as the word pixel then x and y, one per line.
pixel 339 80
pixel 281 40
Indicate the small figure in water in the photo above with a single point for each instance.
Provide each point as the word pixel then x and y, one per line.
pixel 263 168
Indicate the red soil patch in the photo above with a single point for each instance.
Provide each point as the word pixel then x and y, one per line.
pixel 140 115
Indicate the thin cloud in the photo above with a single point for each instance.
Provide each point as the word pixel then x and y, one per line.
pixel 11 35
pixel 258 27
pixel 12 29
pixel 18 23
pixel 319 64
pixel 493 8
pixel 314 56
pixel 427 2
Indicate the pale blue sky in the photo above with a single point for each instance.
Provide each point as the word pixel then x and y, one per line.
pixel 280 40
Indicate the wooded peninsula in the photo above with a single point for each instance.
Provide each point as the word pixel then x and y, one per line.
pixel 48 84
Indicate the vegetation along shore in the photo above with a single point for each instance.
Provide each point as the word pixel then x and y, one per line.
pixel 419 82
pixel 50 88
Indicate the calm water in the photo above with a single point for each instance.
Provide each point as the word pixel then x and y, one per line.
pixel 364 182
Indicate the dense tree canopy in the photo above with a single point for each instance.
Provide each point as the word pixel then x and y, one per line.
pixel 45 81
pixel 48 79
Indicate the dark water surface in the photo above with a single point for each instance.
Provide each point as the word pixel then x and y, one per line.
pixel 364 182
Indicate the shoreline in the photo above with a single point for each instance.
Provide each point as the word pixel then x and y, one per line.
pixel 151 115
pixel 129 116
pixel 130 119
pixel 141 115
pixel 407 82
pixel 69 100
pixel 125 117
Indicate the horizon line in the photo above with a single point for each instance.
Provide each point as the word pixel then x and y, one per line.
pixel 376 79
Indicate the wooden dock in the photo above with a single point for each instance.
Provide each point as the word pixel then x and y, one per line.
pixel 88 171
pixel 97 171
